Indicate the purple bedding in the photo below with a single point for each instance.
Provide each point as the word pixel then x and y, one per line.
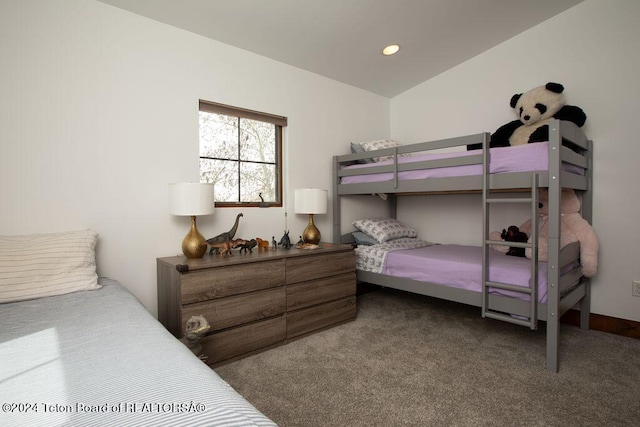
pixel 461 266
pixel 522 158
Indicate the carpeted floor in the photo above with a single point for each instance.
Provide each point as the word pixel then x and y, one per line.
pixel 409 360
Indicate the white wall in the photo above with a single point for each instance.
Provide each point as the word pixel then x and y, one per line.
pixel 99 112
pixel 593 50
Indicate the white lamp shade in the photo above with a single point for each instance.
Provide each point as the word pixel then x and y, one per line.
pixel 310 201
pixel 191 199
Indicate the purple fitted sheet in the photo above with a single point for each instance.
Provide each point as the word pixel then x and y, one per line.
pixel 521 158
pixel 461 267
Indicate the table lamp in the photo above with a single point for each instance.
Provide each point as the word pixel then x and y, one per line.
pixel 311 201
pixel 191 199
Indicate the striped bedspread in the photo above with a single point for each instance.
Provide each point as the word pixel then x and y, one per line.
pixel 96 358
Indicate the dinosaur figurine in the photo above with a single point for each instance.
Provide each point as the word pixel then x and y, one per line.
pixel 197 327
pixel 239 243
pixel 224 248
pixel 248 246
pixel 224 237
pixel 285 242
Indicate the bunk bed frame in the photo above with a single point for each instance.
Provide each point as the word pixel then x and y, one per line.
pixel 567 145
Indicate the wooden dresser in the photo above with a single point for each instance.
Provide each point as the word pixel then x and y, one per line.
pixel 255 301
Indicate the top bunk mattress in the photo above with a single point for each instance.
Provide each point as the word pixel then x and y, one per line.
pixel 522 158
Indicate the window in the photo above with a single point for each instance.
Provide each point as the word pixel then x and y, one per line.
pixel 241 153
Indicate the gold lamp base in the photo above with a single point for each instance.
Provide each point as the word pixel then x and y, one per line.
pixel 194 245
pixel 311 234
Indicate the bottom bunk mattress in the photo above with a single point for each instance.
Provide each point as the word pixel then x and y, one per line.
pixel 99 358
pixel 457 266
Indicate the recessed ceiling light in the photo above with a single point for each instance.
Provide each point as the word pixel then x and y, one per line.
pixel 391 49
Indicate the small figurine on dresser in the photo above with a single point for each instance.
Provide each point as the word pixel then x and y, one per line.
pixel 248 245
pixel 285 242
pixel 223 237
pixel 263 245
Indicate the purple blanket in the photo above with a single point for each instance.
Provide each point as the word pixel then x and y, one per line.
pixel 461 267
pixel 521 158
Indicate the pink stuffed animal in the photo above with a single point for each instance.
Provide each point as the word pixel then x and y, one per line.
pixel 573 228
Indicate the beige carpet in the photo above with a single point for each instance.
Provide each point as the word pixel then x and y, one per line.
pixel 417 361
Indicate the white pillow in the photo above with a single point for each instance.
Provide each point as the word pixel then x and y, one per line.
pixel 384 229
pixel 42 265
pixel 380 144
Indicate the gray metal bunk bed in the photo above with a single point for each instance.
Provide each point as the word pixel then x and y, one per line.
pixel 569 165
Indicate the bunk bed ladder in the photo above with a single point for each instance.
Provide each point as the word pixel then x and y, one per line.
pixel 530 319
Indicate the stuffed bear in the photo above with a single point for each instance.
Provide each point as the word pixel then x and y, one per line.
pixel 535 108
pixel 573 228
pixel 513 234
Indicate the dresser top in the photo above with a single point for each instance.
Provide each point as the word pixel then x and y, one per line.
pixel 183 264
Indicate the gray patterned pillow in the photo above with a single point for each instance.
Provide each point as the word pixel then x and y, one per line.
pixel 384 229
pixel 357 148
pixel 380 144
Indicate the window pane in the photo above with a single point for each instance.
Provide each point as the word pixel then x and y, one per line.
pixel 257 141
pixel 207 172
pixel 257 178
pixel 224 174
pixel 218 136
pixel 241 154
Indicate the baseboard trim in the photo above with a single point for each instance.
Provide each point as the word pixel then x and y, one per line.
pixel 600 322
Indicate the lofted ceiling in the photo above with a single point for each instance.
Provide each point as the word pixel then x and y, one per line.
pixel 343 39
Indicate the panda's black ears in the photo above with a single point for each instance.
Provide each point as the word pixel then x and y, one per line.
pixel 514 99
pixel 554 87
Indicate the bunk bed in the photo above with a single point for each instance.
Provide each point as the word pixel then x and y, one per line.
pixel 503 175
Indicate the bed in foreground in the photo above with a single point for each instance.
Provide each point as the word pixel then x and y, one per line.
pixel 97 357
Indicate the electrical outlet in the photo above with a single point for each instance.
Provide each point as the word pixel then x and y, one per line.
pixel 635 291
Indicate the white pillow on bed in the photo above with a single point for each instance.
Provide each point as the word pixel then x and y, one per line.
pixel 384 229
pixel 42 265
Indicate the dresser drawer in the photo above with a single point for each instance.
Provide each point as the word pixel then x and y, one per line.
pixel 321 316
pixel 235 342
pixel 305 294
pixel 251 301
pixel 235 310
pixel 317 266
pixel 203 285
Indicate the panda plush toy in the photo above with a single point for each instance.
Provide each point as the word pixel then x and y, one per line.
pixel 535 108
